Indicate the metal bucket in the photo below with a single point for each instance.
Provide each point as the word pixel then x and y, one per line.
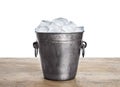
pixel 59 54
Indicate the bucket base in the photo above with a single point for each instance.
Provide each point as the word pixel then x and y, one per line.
pixel 59 77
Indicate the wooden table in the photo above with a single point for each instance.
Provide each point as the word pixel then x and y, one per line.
pixel 92 72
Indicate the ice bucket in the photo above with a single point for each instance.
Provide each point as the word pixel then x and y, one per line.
pixel 59 53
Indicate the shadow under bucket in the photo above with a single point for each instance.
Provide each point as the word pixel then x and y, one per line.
pixel 59 53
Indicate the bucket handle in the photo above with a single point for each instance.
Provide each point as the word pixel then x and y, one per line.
pixel 83 46
pixel 35 45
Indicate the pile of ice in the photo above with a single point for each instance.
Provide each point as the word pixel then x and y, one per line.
pixel 60 25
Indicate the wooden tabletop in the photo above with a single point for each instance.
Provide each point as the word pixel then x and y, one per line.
pixel 92 72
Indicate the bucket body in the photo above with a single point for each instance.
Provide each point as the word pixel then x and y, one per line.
pixel 59 53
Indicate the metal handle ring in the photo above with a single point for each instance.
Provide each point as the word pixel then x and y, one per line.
pixel 35 45
pixel 84 45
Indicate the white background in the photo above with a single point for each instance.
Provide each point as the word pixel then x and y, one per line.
pixel 101 19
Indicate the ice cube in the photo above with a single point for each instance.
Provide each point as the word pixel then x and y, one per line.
pixel 54 28
pixel 71 24
pixel 70 27
pixel 44 23
pixel 79 29
pixel 60 21
pixel 42 29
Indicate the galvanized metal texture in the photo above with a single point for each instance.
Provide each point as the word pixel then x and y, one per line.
pixel 59 54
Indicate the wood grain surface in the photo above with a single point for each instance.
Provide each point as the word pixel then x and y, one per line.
pixel 92 72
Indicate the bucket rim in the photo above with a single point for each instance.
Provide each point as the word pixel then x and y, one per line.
pixel 58 32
